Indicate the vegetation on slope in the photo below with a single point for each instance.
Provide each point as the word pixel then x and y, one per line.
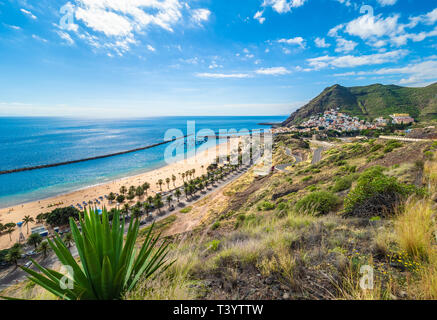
pixel 370 102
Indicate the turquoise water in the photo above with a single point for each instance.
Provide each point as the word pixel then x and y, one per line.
pixel 26 142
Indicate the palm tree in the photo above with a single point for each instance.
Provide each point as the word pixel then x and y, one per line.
pixel 146 186
pixel 139 192
pixel 178 194
pixel 125 209
pixel 183 176
pixel 136 212
pixel 147 208
pixel 10 227
pixel 150 200
pixel 173 178
pixel 120 198
pixel 169 200
pixel 123 190
pixel 186 191
pixel 132 189
pixel 194 172
pixel 131 195
pixel 167 181
pixel 34 240
pixel 26 221
pixel 158 202
pixel 44 248
pixel 111 197
pixel 40 218
pixel 14 254
pixel 160 183
pixel 68 239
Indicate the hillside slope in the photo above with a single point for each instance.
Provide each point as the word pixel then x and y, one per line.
pixel 371 102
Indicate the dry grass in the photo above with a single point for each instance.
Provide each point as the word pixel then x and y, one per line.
pixel 415 227
pixel 351 288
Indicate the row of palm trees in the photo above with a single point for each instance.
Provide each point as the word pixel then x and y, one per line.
pixel 189 189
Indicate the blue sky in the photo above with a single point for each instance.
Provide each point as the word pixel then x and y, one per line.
pixel 132 58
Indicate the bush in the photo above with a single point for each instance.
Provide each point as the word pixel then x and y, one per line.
pixel 342 184
pixel 307 178
pixel 391 145
pixel 186 210
pixel 375 148
pixel 375 194
pixel 266 206
pixel 61 216
pixel 213 245
pixel 216 225
pixel 321 202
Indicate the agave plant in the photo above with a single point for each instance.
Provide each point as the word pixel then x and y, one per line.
pixel 109 265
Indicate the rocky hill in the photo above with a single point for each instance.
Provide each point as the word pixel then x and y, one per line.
pixel 372 101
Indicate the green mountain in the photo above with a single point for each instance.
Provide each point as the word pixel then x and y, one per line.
pixel 371 102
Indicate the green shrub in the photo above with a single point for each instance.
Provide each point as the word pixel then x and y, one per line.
pixel 307 178
pixel 391 145
pixel 376 147
pixel 375 194
pixel 321 202
pixel 266 206
pixel 343 183
pixel 213 245
pixel 186 210
pixel 216 225
pixel 429 155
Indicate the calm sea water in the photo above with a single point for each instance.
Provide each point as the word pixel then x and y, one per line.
pixel 37 141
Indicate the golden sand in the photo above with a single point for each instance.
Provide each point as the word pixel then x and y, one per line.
pixel 16 213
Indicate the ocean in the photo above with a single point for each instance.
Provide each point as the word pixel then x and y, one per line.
pixel 27 142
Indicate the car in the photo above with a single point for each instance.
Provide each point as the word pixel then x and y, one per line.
pixel 30 253
pixel 28 264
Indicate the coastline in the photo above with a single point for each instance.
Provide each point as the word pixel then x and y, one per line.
pixel 16 213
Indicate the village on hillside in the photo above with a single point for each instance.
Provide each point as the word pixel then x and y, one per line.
pixel 335 120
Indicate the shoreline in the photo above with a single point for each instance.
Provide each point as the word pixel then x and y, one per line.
pixel 64 193
pixel 16 213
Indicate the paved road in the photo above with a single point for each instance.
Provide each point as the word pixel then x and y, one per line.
pixel 317 156
pixel 288 152
pixel 17 275
pixel 404 139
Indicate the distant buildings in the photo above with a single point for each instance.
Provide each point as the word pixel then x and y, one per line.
pixel 401 118
pixel 335 120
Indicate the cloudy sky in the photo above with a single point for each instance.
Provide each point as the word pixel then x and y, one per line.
pixel 131 58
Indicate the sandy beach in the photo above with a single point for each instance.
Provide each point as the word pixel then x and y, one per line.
pixel 16 213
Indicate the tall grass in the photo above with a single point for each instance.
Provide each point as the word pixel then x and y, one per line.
pixel 416 232
pixel 414 228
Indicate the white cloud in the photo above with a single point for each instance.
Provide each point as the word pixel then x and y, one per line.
pixel 29 14
pixel 420 73
pixel 66 37
pixel 387 2
pixel 344 45
pixel 378 31
pixel 321 43
pixel 13 27
pixel 273 71
pixel 223 75
pixel 297 41
pixel 350 61
pixel 150 48
pixel 200 15
pixel 283 6
pixel 347 3
pixel 259 16
pixel 114 24
pixel 110 23
pixel 34 36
